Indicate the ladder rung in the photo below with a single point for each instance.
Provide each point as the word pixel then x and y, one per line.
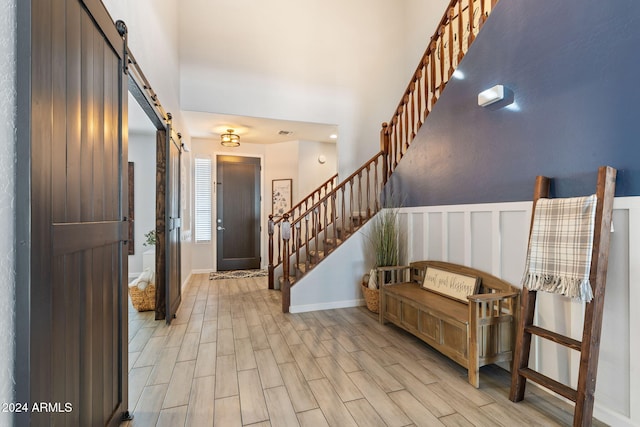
pixel 554 336
pixel 549 383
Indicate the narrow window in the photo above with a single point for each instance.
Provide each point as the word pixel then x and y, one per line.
pixel 202 199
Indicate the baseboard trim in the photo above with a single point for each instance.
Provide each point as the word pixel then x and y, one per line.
pixel 202 271
pixel 186 281
pixel 326 306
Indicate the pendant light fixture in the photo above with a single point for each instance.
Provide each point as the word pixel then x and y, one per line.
pixel 230 139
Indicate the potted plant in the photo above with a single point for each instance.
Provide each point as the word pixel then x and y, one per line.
pixel 150 238
pixel 385 244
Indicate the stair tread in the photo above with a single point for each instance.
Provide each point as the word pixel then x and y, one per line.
pixel 330 243
pixel 316 256
pixel 302 267
pixel 292 280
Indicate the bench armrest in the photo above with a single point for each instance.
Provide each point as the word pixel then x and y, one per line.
pixel 492 320
pixel 389 275
pixel 497 296
pixel 501 306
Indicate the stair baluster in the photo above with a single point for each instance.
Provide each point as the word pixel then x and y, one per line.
pixel 330 207
pixel 270 268
pixel 286 284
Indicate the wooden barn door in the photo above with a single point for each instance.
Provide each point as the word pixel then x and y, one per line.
pixel 168 225
pixel 174 225
pixel 71 307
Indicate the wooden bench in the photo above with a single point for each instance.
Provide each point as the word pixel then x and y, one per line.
pixel 473 330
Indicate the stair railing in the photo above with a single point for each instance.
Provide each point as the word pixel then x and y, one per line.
pixel 351 203
pixel 275 223
pixel 456 31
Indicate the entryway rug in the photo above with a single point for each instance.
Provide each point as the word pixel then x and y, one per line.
pixel 236 274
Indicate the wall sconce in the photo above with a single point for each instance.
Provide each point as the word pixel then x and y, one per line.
pixel 230 139
pixel 491 96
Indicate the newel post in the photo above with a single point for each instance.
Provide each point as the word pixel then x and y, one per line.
pixel 384 147
pixel 270 256
pixel 286 284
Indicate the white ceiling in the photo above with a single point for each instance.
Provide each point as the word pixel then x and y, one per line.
pixel 315 65
pixel 256 130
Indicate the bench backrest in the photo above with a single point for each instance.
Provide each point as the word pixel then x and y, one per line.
pixel 488 282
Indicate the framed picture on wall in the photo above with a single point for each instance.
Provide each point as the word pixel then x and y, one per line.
pixel 281 193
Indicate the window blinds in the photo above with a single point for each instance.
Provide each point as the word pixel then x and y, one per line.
pixel 202 200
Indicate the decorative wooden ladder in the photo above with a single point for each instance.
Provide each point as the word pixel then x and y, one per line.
pixel 589 347
pixel 316 227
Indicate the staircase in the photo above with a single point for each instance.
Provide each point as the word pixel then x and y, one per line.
pixel 308 233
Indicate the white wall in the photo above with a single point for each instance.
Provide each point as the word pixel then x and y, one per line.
pixel 420 21
pixel 281 162
pixel 312 173
pixel 296 160
pixel 335 283
pixel 493 238
pixel 153 39
pixel 7 201
pixel 142 152
pixel 204 254
pixel 325 61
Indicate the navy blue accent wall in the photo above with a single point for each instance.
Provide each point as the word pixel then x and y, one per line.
pixel 574 69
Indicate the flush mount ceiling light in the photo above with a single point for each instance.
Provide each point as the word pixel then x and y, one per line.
pixel 230 139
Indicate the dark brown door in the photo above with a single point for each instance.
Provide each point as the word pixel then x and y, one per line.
pixel 72 262
pixel 168 225
pixel 174 225
pixel 238 212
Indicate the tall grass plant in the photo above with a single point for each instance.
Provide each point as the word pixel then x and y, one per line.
pixel 385 238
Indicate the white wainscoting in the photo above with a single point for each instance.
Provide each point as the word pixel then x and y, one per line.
pixel 493 237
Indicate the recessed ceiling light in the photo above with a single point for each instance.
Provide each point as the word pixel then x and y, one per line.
pixel 333 136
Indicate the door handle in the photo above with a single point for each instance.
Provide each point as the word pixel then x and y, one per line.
pixel 220 228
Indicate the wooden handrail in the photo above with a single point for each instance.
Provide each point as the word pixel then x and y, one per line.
pixel 275 224
pixel 342 185
pixel 310 221
pixel 435 69
pixel 309 229
pixel 329 182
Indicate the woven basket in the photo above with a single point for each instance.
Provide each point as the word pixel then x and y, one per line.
pixel 371 297
pixel 143 300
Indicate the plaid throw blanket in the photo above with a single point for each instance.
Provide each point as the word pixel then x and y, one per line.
pixel 559 256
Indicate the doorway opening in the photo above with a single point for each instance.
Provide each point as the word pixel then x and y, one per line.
pixel 142 195
pixel 168 221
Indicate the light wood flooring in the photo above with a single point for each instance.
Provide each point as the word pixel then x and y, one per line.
pixel 231 358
